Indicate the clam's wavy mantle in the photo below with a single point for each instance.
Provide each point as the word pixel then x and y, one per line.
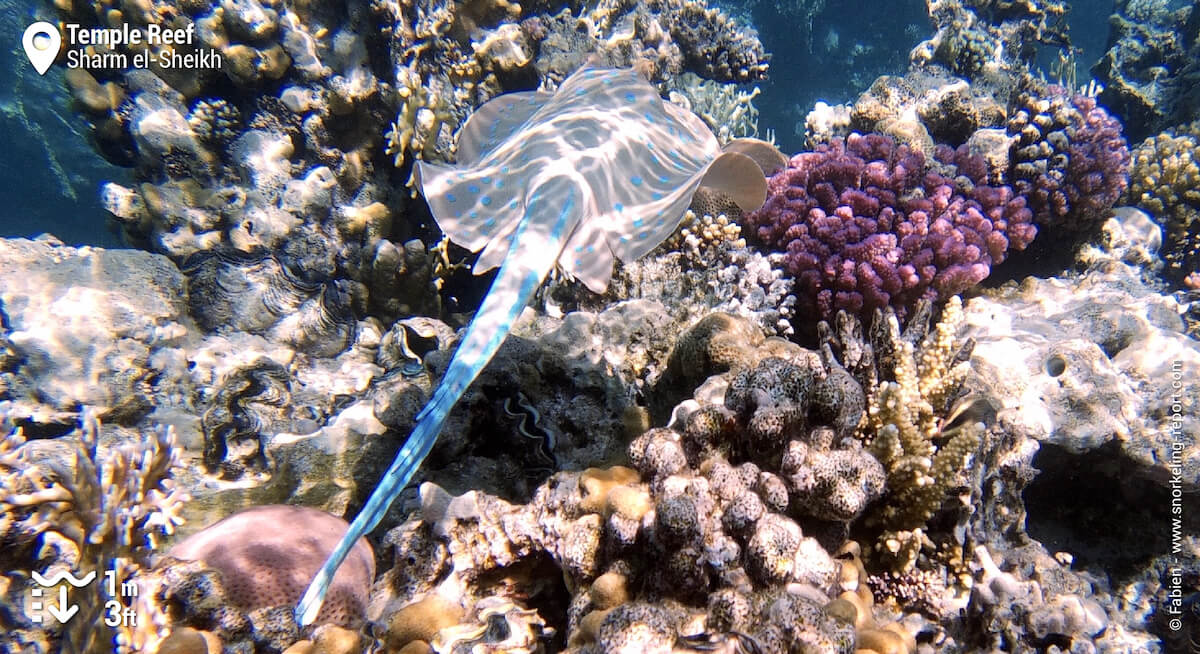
pixel 256 293
pixel 601 169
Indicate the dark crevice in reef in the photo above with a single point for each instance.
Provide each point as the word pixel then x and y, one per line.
pixel 537 583
pixel 31 429
pixel 1101 508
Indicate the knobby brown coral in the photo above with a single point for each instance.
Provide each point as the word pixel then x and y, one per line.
pixel 1165 181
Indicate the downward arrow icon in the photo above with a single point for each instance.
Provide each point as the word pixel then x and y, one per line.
pixel 62 612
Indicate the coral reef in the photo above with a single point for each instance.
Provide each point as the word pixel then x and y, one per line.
pixel 729 529
pixel 1088 372
pixel 825 123
pixel 865 226
pixel 1165 181
pixel 999 597
pixel 1087 360
pixel 104 514
pixel 75 317
pixel 256 294
pixel 1150 70
pixel 705 266
pixel 659 39
pixel 451 57
pixel 651 468
pixel 1070 160
pixel 990 37
pixel 914 428
pixel 927 106
pixel 280 147
pixel 587 524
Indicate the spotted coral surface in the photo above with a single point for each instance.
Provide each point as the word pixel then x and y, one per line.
pixel 266 555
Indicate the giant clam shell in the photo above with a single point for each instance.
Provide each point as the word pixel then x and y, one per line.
pixel 256 293
pixel 243 408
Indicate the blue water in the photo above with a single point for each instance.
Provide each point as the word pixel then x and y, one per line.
pixel 49 175
pixel 852 42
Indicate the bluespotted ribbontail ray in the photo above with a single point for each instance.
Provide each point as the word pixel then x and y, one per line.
pixel 602 168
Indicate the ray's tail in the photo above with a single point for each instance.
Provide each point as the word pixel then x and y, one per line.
pixel 531 256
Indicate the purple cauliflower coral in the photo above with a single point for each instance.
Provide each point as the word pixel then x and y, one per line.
pixel 1070 160
pixel 864 225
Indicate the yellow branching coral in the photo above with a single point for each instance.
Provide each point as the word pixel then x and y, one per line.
pixel 106 513
pixel 700 235
pixel 904 429
pixel 1165 181
pixel 423 113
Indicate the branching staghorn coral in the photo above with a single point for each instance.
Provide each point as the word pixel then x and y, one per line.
pixel 728 110
pixel 105 513
pixel 905 424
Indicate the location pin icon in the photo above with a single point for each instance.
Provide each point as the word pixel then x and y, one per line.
pixel 41 42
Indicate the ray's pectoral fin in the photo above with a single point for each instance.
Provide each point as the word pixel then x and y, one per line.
pixel 495 121
pixel 587 257
pixel 739 177
pixel 767 156
pixel 471 205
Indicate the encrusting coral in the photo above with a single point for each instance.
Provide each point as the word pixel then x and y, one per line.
pixel 104 515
